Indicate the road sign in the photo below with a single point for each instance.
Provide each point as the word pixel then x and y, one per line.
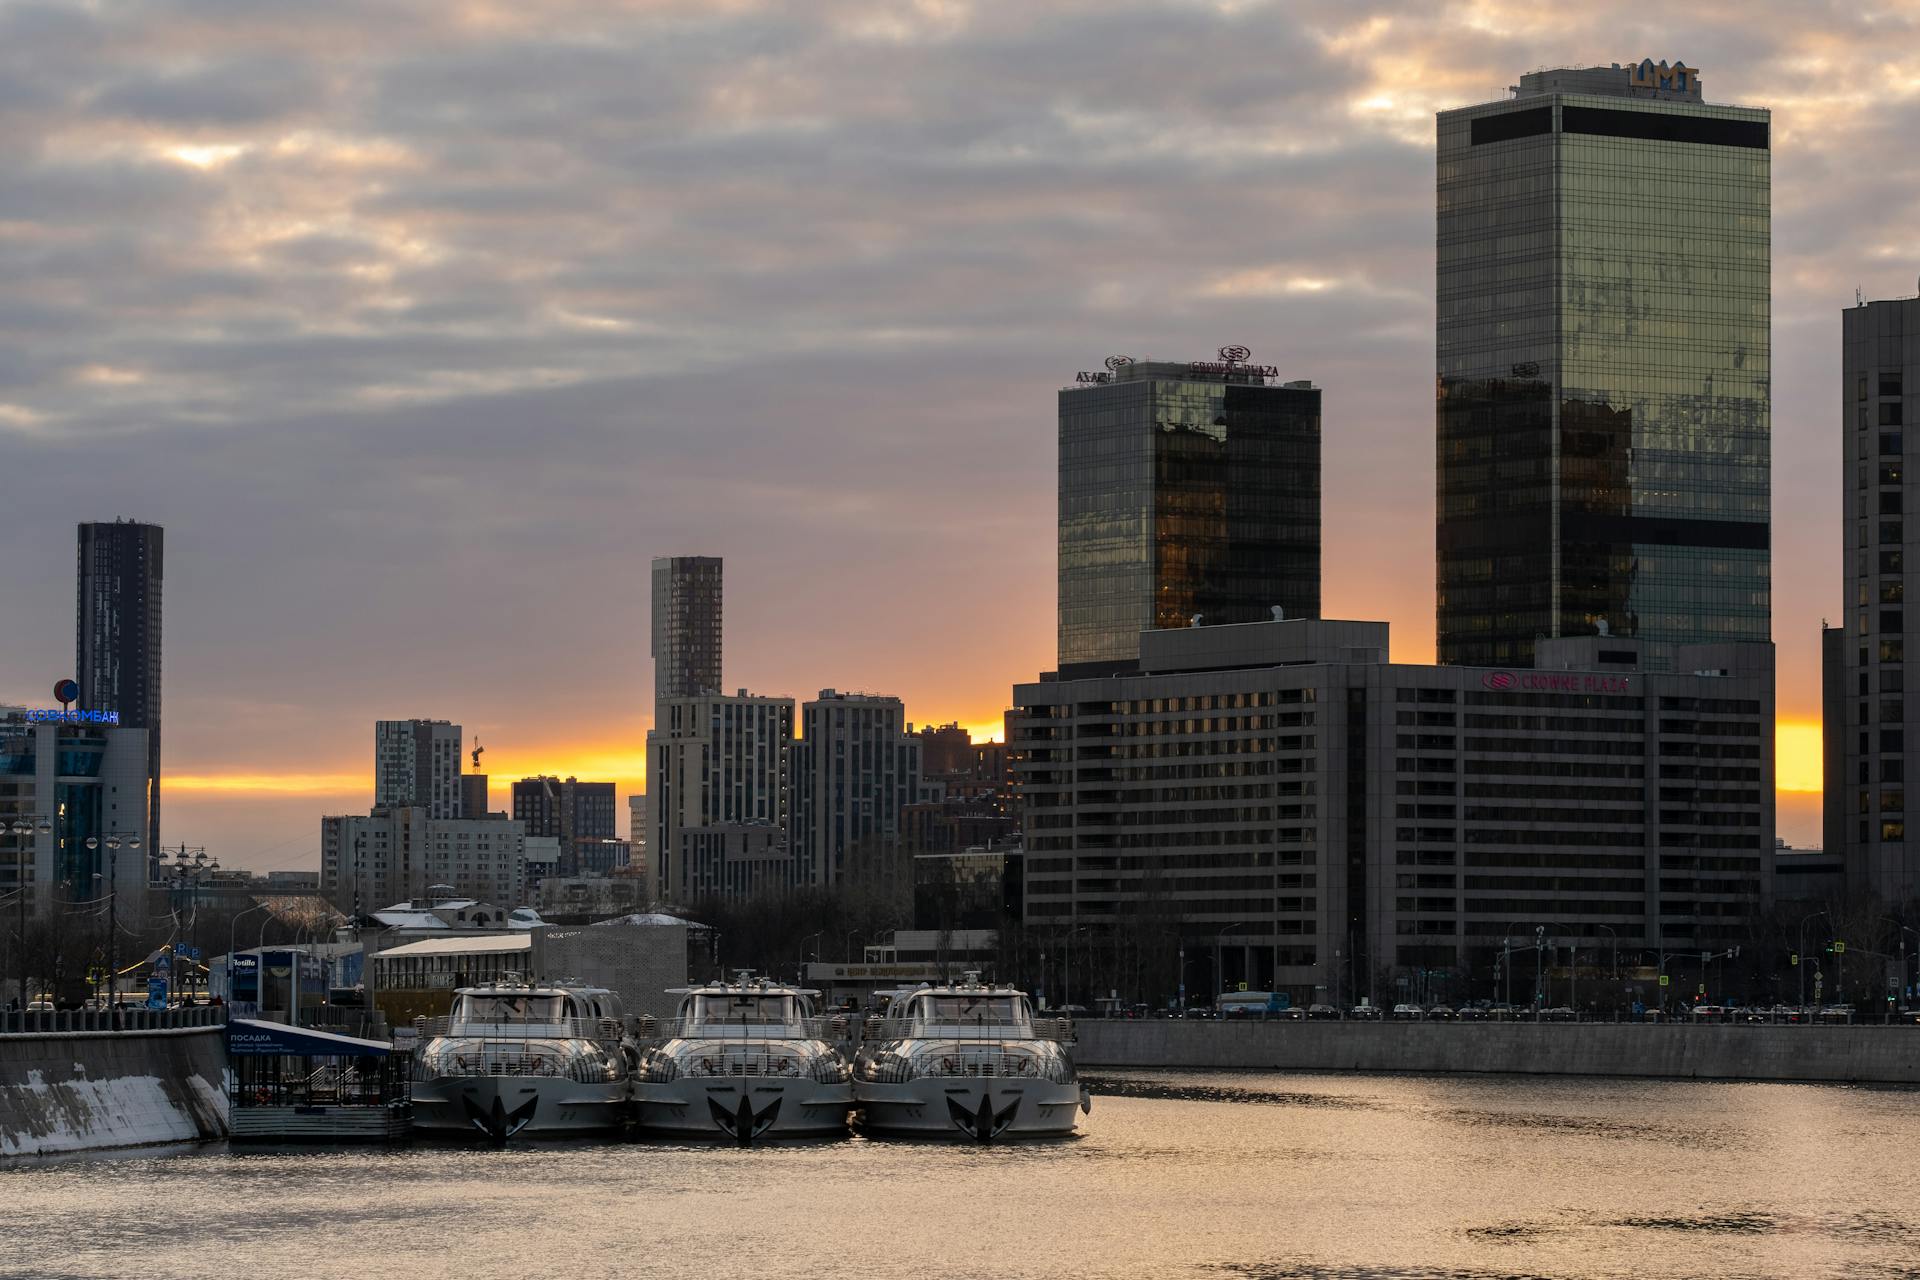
pixel 1663 979
pixel 1839 948
pixel 1243 986
pixel 1796 958
pixel 1703 988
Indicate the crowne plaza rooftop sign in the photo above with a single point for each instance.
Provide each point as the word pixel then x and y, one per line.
pixel 1554 682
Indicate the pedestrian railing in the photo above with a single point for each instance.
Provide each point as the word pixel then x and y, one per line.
pixel 66 1021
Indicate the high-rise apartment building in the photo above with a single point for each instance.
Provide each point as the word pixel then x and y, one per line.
pixel 1604 350
pixel 579 814
pixel 686 626
pixel 1186 489
pixel 1868 721
pixel 417 763
pixel 400 852
pixel 713 761
pixel 117 641
pixel 856 770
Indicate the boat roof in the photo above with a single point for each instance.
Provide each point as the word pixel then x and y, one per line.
pixel 747 989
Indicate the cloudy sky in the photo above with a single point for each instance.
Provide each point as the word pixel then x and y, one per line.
pixel 422 327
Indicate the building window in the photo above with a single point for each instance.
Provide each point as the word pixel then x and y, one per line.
pixel 1889 383
pixel 1890 443
pixel 1890 413
pixel 1893 831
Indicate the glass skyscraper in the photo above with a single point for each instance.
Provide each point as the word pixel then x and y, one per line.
pixel 1185 489
pixel 1604 358
pixel 117 635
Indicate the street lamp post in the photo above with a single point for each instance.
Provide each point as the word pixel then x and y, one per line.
pixel 113 842
pixel 23 827
pixel 1539 972
pixel 1803 952
pixel 1220 973
pixel 188 875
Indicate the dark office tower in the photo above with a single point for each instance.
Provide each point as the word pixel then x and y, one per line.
pixel 686 626
pixel 1604 347
pixel 1868 725
pixel 117 649
pixel 1185 488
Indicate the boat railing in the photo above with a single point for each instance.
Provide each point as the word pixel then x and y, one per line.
pixel 529 1061
pixel 710 1029
pixel 601 1030
pixel 972 1064
pixel 1056 1029
pixel 741 1061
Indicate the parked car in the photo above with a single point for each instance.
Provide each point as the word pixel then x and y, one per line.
pixel 1560 1013
pixel 1471 1013
pixel 1440 1013
pixel 1407 1013
pixel 1199 1011
pixel 1501 1011
pixel 1364 1013
pixel 1322 1013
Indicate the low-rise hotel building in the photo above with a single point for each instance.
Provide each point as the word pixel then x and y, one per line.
pixel 1314 819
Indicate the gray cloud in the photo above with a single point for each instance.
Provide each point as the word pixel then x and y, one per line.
pixel 422 329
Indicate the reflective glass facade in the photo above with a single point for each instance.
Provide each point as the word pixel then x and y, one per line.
pixel 1184 493
pixel 1604 351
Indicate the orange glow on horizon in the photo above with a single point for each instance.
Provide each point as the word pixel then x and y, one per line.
pixel 1797 756
pixel 1797 768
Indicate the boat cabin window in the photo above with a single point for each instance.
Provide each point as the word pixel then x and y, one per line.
pixel 969 1010
pixel 510 1008
pixel 745 1009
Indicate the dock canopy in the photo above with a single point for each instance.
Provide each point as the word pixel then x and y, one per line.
pixel 249 1039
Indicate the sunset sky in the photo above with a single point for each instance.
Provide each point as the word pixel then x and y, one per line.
pixel 422 328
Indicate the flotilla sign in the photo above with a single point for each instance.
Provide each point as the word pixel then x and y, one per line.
pixel 51 715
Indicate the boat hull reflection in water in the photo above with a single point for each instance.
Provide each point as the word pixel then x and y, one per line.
pixel 743 1061
pixel 515 1058
pixel 970 1062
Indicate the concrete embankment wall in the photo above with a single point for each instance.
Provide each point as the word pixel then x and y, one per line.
pixel 85 1090
pixel 1882 1055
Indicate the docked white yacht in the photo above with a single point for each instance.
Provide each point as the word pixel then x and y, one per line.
pixel 513 1057
pixel 968 1060
pixel 743 1060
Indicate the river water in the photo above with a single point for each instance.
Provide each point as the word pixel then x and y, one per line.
pixel 1227 1176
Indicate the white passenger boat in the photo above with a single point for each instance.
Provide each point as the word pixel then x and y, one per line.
pixel 514 1057
pixel 967 1060
pixel 743 1060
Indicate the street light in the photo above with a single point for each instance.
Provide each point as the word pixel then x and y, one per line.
pixel 114 840
pixel 21 828
pixel 1803 953
pixel 188 875
pixel 1219 973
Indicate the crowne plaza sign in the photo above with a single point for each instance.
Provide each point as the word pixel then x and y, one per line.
pixel 1554 682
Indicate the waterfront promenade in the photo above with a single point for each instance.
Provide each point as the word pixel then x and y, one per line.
pixel 1854 1054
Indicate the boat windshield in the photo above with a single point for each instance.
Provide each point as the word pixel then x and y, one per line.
pixel 966 1010
pixel 745 1009
pixel 509 1008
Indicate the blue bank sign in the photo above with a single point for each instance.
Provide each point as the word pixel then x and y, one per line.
pixel 49 715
